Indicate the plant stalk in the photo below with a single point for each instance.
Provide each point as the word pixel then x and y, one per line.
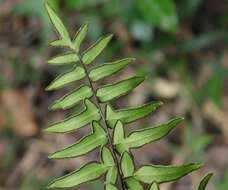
pixel 114 155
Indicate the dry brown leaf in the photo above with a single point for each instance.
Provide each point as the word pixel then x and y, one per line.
pixel 17 106
pixel 216 116
pixel 166 89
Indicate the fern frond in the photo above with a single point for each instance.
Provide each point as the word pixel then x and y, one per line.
pixel 59 26
pixel 107 126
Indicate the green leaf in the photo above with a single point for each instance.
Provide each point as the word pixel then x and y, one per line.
pixel 61 29
pixel 80 36
pixel 141 137
pixel 95 139
pixel 154 186
pixel 130 114
pixel 113 91
pixel 90 54
pixel 108 69
pixel 106 157
pixel 91 113
pixel 64 59
pixel 133 184
pixel 62 80
pixel 160 174
pixel 59 43
pixel 110 187
pixel 127 165
pixel 160 13
pixel 87 173
pixel 111 175
pixel 204 181
pixel 118 134
pixel 72 98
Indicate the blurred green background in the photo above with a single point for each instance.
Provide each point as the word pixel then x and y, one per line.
pixel 180 46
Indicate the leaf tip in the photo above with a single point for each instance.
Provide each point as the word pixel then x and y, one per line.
pixel 54 106
pixel 197 165
pixel 210 174
pixel 160 104
pixel 205 181
pixel 45 130
pixel 51 156
pixel 119 123
pixel 54 156
pixel 51 185
pixel 48 7
pixel 180 119
pixel 46 4
pixel 49 88
pixel 110 36
pixel 142 78
pixel 87 102
pixel 109 110
pixel 86 25
pixel 50 62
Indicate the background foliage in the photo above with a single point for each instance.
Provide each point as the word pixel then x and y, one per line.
pixel 182 49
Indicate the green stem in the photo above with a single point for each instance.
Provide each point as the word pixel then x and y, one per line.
pixel 104 122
